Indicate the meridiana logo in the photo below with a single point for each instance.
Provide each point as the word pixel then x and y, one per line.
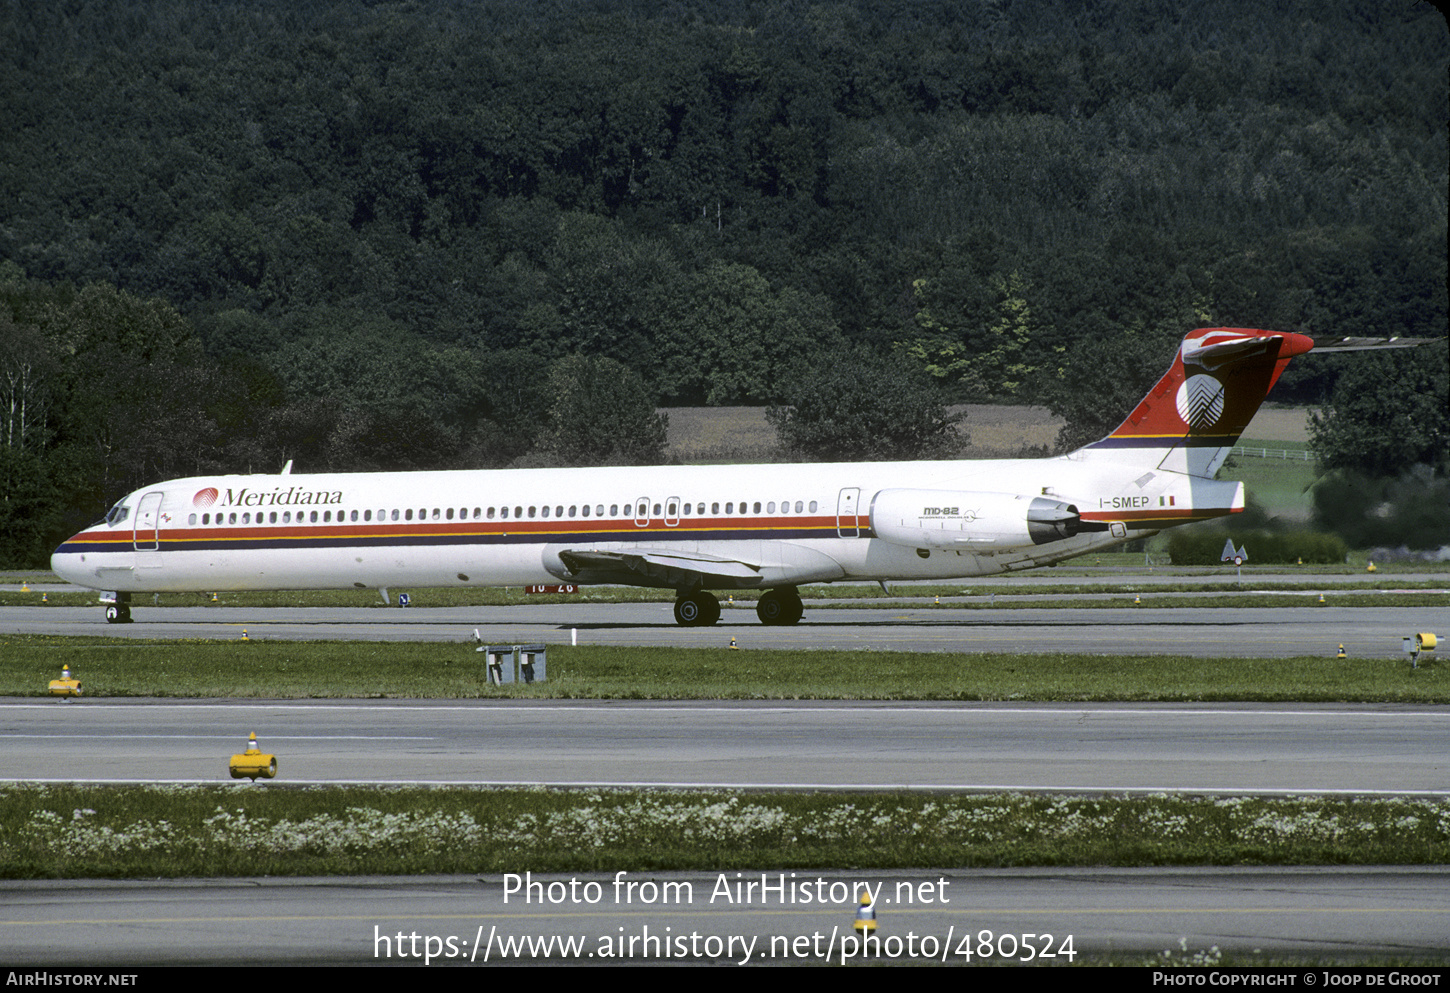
pixel 292 496
pixel 1200 401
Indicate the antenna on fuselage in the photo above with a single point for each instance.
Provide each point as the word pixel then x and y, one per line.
pixel 287 469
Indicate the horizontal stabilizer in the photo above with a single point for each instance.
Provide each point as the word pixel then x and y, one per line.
pixel 1335 343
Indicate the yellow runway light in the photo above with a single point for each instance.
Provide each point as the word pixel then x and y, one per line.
pixel 65 686
pixel 253 762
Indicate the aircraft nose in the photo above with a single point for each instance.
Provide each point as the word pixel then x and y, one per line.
pixel 66 563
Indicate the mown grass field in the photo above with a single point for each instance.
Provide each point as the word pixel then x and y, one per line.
pixel 114 667
pixel 1002 426
pixel 49 832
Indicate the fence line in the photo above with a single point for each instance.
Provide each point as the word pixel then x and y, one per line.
pixel 1292 454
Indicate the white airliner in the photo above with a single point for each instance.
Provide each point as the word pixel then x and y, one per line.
pixel 698 528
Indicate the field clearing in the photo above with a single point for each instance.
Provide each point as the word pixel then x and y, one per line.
pixel 1274 423
pixel 742 434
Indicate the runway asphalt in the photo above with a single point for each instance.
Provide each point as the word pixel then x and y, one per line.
pixel 1049 916
pixel 1210 748
pixel 1366 632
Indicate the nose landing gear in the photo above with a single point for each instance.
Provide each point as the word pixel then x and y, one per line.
pixel 118 607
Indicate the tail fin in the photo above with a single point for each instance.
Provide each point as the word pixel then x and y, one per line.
pixel 1190 421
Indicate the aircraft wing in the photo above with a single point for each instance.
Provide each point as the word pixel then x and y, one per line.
pixel 659 567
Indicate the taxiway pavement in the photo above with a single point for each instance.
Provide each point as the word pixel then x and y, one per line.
pixel 1207 748
pixel 981 916
pixel 1280 632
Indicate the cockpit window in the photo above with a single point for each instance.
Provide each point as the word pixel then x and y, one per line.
pixel 118 513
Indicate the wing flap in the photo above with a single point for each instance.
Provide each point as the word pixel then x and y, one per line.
pixel 756 565
pixel 666 567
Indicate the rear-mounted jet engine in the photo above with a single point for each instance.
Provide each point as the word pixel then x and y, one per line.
pixel 961 519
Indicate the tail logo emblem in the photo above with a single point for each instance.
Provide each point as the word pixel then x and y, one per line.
pixel 1200 401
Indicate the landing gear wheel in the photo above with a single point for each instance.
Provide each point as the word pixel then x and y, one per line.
pixel 696 610
pixel 711 613
pixel 118 613
pixel 779 607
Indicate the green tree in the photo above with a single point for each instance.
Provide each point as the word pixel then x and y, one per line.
pixel 601 413
pixel 1412 509
pixel 992 358
pixel 862 406
pixel 733 337
pixel 1100 379
pixel 1387 413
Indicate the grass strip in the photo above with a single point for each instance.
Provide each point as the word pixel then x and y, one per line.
pixel 50 832
pixel 118 667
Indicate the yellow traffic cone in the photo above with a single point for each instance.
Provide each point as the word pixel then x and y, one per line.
pixel 865 923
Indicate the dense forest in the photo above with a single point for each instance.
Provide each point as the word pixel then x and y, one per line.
pixel 368 235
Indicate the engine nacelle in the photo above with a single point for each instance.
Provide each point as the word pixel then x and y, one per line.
pixel 962 520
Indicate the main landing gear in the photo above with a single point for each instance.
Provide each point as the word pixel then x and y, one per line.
pixel 701 609
pixel 782 606
pixel 697 609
